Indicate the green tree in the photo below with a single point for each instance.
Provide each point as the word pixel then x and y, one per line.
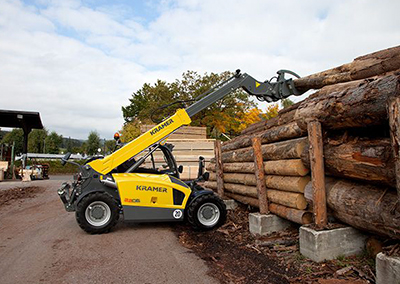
pixel 286 103
pixel 130 131
pixel 109 145
pixel 221 116
pixel 17 136
pixel 53 143
pixel 69 145
pixel 83 148
pixel 36 140
pixel 93 143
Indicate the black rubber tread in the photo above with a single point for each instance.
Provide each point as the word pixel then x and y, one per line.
pixel 194 206
pixel 97 196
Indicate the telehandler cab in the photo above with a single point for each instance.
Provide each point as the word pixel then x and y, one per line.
pixel 119 183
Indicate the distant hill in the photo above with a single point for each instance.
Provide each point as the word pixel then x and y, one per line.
pixel 74 142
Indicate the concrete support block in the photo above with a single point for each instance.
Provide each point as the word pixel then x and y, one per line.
pixel 387 269
pixel 329 244
pixel 230 204
pixel 262 224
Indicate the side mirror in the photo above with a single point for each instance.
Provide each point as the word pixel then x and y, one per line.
pixel 202 165
pixel 206 176
pixel 180 169
pixel 65 158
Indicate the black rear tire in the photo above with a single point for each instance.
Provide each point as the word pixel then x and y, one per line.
pixel 97 213
pixel 206 212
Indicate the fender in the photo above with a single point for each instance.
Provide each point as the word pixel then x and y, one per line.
pixel 110 191
pixel 95 185
pixel 197 193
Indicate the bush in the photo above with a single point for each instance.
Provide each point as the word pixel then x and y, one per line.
pixel 55 166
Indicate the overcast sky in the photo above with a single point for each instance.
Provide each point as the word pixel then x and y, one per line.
pixel 78 61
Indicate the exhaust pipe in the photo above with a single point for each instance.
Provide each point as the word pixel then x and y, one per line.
pixel 109 182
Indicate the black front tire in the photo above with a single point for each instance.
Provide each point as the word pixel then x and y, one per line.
pixel 206 212
pixel 97 213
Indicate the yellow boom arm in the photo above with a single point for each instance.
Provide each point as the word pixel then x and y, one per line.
pixel 264 91
pixel 154 135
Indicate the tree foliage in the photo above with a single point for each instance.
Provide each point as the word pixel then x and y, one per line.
pixel 286 103
pixel 272 111
pixel 17 136
pixel 93 143
pixel 222 116
pixel 130 131
pixel 109 146
pixel 36 140
pixel 53 142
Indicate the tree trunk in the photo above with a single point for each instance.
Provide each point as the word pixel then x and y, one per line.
pixel 317 173
pixel 260 175
pixel 356 158
pixel 288 199
pixel 394 122
pixel 290 149
pixel 252 201
pixel 297 216
pixel 294 215
pixel 274 134
pixel 346 105
pixel 363 206
pixel 219 168
pixel 285 183
pixel 293 167
pixel 362 67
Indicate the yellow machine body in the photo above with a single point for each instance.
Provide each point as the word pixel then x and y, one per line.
pixel 151 197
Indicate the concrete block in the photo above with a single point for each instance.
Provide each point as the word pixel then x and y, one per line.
pixel 329 244
pixel 230 204
pixel 387 269
pixel 262 224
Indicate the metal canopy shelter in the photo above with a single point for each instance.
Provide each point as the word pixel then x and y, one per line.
pixel 27 120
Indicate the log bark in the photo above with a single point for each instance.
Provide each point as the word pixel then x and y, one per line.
pixel 252 201
pixel 358 158
pixel 260 175
pixel 290 149
pixel 293 167
pixel 353 104
pixel 362 67
pixel 284 117
pixel 235 188
pixel 219 168
pixel 297 216
pixel 394 122
pixel 291 214
pixel 363 206
pixel 285 183
pixel 317 173
pixel 274 134
pixel 288 199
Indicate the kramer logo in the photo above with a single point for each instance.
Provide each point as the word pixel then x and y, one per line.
pixel 151 188
pixel 158 128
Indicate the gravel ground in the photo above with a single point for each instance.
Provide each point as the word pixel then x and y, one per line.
pixel 41 243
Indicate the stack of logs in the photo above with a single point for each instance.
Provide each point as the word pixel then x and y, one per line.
pixel 352 105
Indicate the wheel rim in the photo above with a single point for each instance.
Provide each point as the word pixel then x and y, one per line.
pixel 98 213
pixel 208 214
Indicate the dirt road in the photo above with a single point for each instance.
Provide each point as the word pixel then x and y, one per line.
pixel 41 243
